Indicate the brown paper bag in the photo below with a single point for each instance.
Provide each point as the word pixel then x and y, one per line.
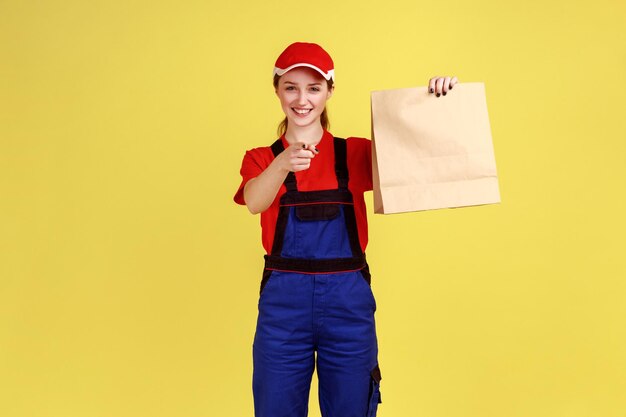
pixel 432 152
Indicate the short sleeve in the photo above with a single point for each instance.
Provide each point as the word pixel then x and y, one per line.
pixel 254 163
pixel 360 163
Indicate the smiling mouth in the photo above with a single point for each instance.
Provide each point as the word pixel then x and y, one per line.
pixel 301 112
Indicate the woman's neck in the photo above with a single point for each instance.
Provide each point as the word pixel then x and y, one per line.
pixel 309 135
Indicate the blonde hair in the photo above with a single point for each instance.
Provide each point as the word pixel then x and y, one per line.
pixel 282 126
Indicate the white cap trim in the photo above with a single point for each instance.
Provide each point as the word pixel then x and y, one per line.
pixel 327 76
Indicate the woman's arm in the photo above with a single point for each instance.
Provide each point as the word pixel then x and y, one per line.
pixel 260 192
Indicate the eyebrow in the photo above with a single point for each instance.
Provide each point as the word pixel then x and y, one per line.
pixel 289 82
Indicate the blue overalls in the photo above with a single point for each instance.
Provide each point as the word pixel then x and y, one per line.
pixel 315 296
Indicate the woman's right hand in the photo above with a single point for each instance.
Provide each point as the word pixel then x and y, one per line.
pixel 297 157
pixel 259 192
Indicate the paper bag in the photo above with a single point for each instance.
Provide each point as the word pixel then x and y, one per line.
pixel 432 152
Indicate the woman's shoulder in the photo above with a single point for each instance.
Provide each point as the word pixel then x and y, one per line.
pixel 360 162
pixel 350 139
pixel 358 141
pixel 260 152
pixel 358 144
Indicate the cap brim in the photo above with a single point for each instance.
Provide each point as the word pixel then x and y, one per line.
pixel 327 76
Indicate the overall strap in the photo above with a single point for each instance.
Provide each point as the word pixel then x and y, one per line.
pixel 341 169
pixel 341 162
pixel 283 212
pixel 290 181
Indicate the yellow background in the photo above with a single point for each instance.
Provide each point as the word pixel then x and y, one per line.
pixel 129 278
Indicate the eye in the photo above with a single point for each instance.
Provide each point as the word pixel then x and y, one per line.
pixel 291 87
pixel 315 88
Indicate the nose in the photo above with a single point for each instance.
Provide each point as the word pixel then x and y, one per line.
pixel 302 98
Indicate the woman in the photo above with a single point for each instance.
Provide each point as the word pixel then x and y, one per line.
pixel 315 292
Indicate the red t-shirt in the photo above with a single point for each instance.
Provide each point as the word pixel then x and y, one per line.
pixel 319 176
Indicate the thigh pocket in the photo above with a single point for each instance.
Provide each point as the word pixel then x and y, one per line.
pixel 374 397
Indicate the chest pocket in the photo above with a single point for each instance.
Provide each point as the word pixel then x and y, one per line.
pixel 316 231
pixel 317 212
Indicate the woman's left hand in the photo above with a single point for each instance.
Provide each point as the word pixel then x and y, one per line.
pixel 441 85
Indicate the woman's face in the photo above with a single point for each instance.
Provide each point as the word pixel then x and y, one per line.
pixel 303 93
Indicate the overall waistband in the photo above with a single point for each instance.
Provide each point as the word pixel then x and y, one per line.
pixel 312 266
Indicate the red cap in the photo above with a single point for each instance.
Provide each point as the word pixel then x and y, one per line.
pixel 303 54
